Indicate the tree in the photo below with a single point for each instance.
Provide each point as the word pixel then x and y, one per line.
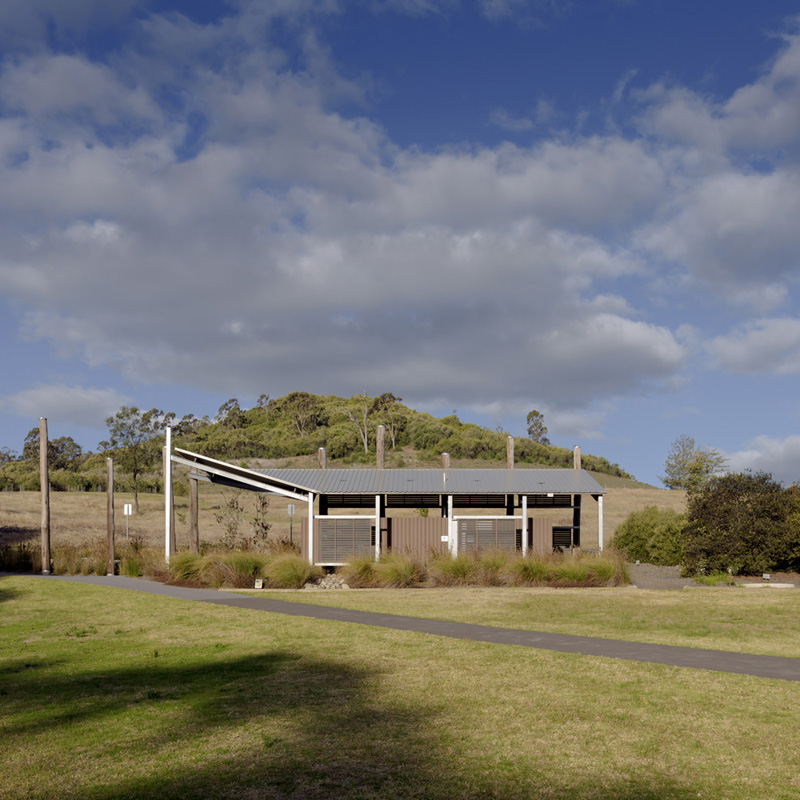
pixel 536 427
pixel 134 438
pixel 229 413
pixel 652 535
pixel 742 522
pixel 302 408
pixel 391 414
pixel 358 416
pixel 689 466
pixel 62 453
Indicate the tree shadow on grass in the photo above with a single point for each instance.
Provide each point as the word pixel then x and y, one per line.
pixel 17 534
pixel 5 592
pixel 273 725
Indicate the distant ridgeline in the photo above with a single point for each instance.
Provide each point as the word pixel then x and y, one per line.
pixel 298 425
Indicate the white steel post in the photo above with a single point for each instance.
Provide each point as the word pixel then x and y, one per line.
pixel 310 528
pixel 600 522
pixel 451 527
pixel 524 525
pixel 167 493
pixel 377 527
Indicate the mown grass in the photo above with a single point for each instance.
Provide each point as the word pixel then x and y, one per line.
pixel 765 622
pixel 111 694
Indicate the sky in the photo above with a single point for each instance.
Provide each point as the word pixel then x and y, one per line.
pixel 591 209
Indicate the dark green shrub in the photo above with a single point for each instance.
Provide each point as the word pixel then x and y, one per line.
pixel 652 535
pixel 742 522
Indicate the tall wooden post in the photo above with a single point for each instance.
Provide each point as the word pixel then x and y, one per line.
pixel 445 460
pixel 576 457
pixel 510 452
pixel 44 484
pixel 194 524
pixel 110 516
pixel 322 458
pixel 380 438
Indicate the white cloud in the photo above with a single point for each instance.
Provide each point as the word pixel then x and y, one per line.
pixel 738 231
pixel 780 457
pixel 760 346
pixel 75 405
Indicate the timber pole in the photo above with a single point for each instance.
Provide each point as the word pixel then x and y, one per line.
pixel 194 524
pixel 510 452
pixel 110 516
pixel 380 438
pixel 44 485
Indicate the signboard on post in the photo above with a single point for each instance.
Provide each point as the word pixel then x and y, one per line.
pixel 127 510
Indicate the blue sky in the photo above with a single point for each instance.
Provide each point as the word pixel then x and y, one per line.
pixel 588 208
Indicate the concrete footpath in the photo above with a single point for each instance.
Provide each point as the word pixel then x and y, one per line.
pixel 781 668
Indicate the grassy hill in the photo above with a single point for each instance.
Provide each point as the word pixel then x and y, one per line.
pixel 288 431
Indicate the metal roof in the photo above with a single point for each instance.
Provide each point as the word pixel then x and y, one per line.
pixel 437 481
pixel 397 481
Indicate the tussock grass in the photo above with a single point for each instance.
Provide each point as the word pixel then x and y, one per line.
pixel 290 571
pixel 531 571
pixel 445 570
pixel 398 570
pixel 492 567
pixel 359 572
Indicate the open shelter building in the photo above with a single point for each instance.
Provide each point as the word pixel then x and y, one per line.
pixel 477 508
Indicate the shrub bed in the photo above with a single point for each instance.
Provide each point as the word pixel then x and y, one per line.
pixel 283 568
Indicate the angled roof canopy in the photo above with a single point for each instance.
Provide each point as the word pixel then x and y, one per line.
pixel 302 482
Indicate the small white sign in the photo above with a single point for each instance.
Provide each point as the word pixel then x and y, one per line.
pixel 127 509
pixel 290 508
pixel 259 583
pixel 445 538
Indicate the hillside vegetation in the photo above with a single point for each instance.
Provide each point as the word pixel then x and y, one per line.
pixel 280 431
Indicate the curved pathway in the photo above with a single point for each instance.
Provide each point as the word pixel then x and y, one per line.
pixel 778 667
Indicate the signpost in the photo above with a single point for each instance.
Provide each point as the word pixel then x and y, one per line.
pixel 127 510
pixel 290 509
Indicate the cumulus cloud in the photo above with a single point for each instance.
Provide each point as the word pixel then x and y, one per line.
pixel 780 457
pixel 228 225
pixel 76 405
pixel 760 346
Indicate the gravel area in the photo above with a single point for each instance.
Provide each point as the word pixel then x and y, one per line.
pixel 650 576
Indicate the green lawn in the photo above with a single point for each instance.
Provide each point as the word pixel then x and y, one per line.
pixel 114 694
pixel 763 621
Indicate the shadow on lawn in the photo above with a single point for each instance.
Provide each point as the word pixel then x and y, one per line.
pixel 277 725
pixel 5 592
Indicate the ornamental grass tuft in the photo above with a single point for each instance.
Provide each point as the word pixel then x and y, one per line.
pixel 533 570
pixel 359 572
pixel 399 570
pixel 492 567
pixel 445 570
pixel 290 571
